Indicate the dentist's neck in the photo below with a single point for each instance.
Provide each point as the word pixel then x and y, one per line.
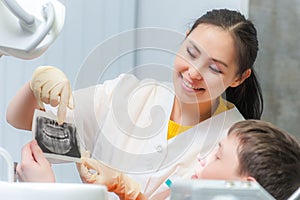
pixel 192 114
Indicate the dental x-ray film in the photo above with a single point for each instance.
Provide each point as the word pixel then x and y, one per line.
pixel 60 143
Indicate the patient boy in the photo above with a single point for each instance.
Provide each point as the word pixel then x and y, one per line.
pixel 257 151
pixel 253 150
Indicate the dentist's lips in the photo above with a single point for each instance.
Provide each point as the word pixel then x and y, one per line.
pixel 188 86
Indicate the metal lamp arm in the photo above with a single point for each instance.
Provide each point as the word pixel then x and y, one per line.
pixel 30 23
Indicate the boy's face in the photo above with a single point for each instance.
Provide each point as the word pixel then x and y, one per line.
pixel 223 163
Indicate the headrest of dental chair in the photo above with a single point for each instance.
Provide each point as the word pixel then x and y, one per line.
pixel 218 190
pixel 29 27
pixel 295 195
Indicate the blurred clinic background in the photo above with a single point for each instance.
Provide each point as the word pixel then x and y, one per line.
pixel 89 23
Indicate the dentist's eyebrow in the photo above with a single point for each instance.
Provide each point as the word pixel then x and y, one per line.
pixel 194 45
pixel 213 59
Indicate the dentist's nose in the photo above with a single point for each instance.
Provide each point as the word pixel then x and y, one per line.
pixel 194 73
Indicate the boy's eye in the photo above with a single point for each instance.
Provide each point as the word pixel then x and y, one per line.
pixel 218 154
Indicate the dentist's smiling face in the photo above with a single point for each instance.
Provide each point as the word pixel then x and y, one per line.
pixel 205 65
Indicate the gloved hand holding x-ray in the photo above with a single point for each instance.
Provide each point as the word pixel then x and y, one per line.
pixel 114 180
pixel 51 86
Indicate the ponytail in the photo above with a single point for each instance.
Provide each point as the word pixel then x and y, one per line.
pixel 247 97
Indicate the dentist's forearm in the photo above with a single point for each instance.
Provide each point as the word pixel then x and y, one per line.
pixel 21 108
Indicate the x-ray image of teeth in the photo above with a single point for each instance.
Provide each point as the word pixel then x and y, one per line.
pixel 56 139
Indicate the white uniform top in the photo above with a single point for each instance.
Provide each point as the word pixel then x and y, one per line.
pixel 124 123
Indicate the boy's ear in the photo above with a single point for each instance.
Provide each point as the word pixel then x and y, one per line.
pixel 240 80
pixel 250 178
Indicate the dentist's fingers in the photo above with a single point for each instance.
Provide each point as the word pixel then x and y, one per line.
pixel 62 107
pixel 55 93
pixel 71 102
pixel 85 175
pixel 66 96
pixel 86 154
pixel 45 92
pixel 51 86
pixel 87 163
pixel 37 94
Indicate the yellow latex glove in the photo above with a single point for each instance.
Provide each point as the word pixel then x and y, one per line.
pixel 51 86
pixel 114 180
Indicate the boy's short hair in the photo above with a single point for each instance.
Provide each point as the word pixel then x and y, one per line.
pixel 270 155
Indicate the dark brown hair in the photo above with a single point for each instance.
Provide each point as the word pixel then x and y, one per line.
pixel 270 155
pixel 247 97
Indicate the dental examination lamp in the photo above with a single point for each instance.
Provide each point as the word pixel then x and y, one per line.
pixel 29 27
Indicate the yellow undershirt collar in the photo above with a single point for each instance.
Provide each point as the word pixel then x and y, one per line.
pixel 175 128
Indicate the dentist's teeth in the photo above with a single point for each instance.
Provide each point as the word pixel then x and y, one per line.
pixel 189 85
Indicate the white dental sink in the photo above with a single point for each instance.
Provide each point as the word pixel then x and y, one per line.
pixel 46 191
pixel 51 191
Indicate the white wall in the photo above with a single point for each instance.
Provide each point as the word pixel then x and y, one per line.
pixel 89 23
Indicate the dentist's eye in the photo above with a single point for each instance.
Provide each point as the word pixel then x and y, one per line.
pixel 191 52
pixel 215 69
